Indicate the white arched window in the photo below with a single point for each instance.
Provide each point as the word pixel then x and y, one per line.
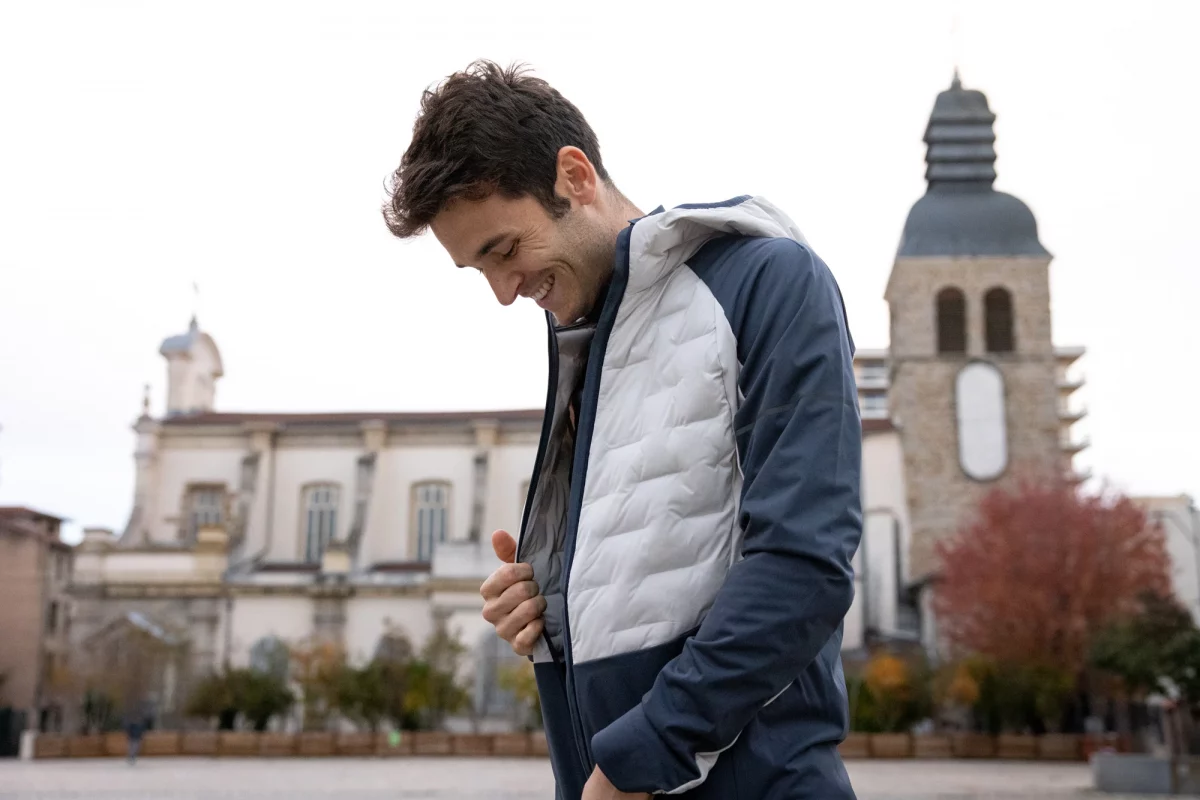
pixel 320 519
pixel 432 504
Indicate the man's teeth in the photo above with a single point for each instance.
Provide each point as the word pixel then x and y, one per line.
pixel 545 290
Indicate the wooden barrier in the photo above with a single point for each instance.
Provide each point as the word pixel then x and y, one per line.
pixel 354 744
pixel 160 743
pixel 238 743
pixel 510 744
pixel 1051 747
pixel 932 746
pixel 277 745
pixel 856 745
pixel 891 745
pixel 198 743
pixel 432 743
pixel 1017 747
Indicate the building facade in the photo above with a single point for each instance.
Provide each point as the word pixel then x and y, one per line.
pixel 35 619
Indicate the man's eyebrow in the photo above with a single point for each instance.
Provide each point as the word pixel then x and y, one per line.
pixel 488 246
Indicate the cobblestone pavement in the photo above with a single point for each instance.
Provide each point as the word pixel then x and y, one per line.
pixel 476 779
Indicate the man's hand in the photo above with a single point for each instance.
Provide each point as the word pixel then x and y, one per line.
pixel 598 788
pixel 512 601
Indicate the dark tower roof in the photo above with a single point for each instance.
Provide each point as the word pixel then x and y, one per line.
pixel 961 214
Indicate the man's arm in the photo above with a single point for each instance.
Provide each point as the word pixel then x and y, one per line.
pixel 800 445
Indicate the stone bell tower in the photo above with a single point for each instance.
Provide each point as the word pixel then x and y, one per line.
pixel 974 389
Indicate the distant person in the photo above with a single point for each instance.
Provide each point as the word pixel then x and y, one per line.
pixel 134 729
pixel 683 569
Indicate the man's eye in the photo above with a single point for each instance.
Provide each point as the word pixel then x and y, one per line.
pixel 512 251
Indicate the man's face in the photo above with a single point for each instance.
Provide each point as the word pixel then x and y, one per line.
pixel 523 252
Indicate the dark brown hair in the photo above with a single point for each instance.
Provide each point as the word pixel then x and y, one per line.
pixel 486 129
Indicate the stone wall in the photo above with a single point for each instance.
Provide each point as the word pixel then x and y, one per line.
pixel 922 397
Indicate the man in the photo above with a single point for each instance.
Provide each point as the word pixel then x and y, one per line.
pixel 683 565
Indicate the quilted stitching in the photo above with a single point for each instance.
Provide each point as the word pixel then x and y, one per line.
pixel 657 524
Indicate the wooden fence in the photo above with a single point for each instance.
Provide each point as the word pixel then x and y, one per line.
pixel 232 744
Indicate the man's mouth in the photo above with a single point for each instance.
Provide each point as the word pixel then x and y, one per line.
pixel 543 290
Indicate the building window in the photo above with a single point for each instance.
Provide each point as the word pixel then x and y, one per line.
pixel 998 320
pixel 206 508
pixel 873 371
pixel 320 519
pixel 951 321
pixel 432 505
pixel 52 618
pixel 874 402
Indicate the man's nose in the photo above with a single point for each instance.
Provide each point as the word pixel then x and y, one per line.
pixel 505 285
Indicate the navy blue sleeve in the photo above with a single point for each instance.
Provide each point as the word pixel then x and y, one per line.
pixel 799 439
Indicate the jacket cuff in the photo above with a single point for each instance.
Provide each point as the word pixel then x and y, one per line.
pixel 633 756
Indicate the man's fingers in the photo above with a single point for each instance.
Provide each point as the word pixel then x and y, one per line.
pixel 524 642
pixel 499 581
pixel 505 546
pixel 521 616
pixel 497 609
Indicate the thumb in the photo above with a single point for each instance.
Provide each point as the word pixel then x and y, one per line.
pixel 505 546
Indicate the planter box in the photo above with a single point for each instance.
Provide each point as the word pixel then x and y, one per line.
pixel 48 745
pixel 160 743
pixel 116 744
pixel 891 745
pixel 1124 773
pixel 466 744
pixel 275 745
pixel 856 745
pixel 354 744
pixel 238 743
pixel 384 746
pixel 974 745
pixel 86 746
pixel 198 743
pixel 538 746
pixel 933 746
pixel 1060 747
pixel 432 743
pixel 510 744
pixel 315 743
pixel 1017 747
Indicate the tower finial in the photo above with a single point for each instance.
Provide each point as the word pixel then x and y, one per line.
pixel 956 84
pixel 195 303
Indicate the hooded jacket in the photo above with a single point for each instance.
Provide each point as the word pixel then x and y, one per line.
pixel 692 526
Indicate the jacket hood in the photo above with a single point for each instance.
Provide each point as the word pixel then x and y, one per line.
pixel 662 241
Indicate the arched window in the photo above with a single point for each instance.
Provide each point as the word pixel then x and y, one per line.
pixel 998 320
pixel 432 503
pixel 320 519
pixel 951 321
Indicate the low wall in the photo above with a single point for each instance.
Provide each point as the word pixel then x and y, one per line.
pixel 243 744
pixel 1051 747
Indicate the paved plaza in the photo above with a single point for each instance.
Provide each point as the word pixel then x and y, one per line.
pixel 475 779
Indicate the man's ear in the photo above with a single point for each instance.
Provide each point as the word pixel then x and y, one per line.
pixel 576 177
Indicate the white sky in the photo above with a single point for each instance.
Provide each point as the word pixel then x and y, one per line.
pixel 144 146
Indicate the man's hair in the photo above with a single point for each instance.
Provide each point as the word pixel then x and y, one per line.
pixel 486 129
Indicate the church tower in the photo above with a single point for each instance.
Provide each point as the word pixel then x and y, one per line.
pixel 193 367
pixel 974 376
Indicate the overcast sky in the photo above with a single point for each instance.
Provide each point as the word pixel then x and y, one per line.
pixel 243 146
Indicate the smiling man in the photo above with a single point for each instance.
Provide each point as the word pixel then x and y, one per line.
pixel 683 566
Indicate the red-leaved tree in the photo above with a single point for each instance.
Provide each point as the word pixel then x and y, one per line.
pixel 1042 569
